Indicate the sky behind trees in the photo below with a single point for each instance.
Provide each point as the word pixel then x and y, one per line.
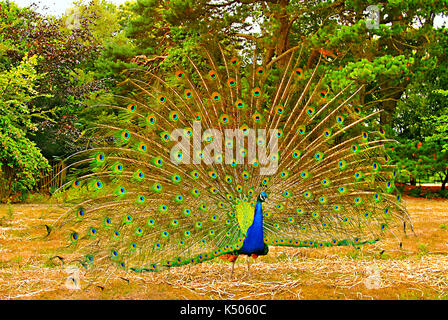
pixel 56 7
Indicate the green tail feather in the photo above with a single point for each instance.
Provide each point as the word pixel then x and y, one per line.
pixel 147 208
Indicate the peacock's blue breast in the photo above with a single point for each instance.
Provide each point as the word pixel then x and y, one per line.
pixel 254 242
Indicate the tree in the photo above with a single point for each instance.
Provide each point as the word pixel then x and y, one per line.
pixel 421 118
pixel 66 57
pixel 20 159
pixel 385 57
pixel 394 61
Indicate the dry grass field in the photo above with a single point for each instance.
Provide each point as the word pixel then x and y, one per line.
pixel 417 270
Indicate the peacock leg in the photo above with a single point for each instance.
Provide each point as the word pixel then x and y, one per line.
pixel 248 266
pixel 231 258
pixel 233 266
pixel 189 275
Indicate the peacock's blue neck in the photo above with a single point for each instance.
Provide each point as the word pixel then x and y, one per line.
pixel 258 218
pixel 254 242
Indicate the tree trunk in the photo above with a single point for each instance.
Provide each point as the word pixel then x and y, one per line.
pixel 390 103
pixel 413 181
pixel 391 93
pixel 445 181
pixel 8 176
pixel 281 38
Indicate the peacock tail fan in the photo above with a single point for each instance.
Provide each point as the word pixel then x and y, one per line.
pixel 174 176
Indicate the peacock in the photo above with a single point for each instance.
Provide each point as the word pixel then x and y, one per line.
pixel 227 155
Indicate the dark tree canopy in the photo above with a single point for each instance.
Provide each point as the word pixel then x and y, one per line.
pixel 402 63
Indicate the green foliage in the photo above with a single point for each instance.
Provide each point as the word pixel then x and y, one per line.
pixel 422 249
pixel 60 52
pixel 416 192
pixel 439 126
pixel 421 120
pixel 20 159
pixel 417 159
pixel 402 63
pixel 105 18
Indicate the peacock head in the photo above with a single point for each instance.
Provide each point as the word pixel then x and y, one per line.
pixel 262 197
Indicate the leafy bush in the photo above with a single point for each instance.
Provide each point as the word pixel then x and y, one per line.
pixel 416 192
pixel 20 159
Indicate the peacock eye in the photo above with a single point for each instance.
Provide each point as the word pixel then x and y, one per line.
pixel 331 177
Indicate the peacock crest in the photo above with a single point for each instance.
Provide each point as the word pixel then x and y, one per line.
pixel 227 155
